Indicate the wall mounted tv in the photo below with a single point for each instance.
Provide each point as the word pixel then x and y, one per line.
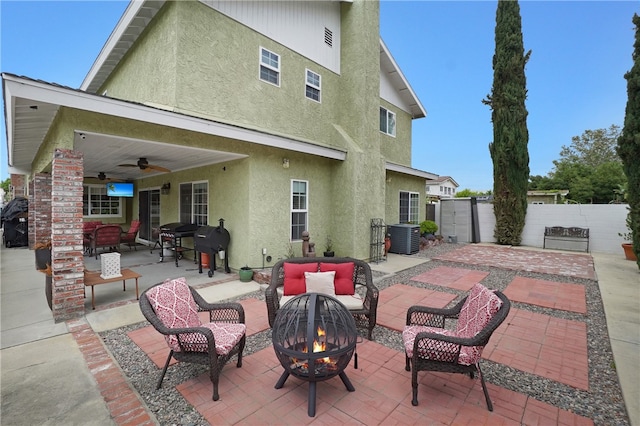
pixel 120 189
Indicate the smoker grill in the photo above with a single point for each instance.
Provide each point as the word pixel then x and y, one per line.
pixel 212 240
pixel 314 337
pixel 174 233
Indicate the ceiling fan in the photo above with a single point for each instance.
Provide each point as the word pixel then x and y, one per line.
pixel 103 177
pixel 144 165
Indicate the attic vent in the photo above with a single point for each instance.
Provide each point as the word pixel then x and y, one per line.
pixel 328 37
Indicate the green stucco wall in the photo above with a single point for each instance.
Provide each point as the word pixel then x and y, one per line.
pixel 397 182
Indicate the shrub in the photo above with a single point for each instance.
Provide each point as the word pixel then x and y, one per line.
pixel 428 227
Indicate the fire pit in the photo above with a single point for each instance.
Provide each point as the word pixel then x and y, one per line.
pixel 314 338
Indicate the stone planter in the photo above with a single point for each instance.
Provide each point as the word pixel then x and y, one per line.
pixel 48 290
pixel 43 258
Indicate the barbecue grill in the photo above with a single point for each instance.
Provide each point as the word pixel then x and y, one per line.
pixel 212 240
pixel 174 233
pixel 314 337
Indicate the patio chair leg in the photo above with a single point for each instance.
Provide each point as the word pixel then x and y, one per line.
pixel 215 381
pixel 164 370
pixel 407 365
pixel 414 386
pixel 484 388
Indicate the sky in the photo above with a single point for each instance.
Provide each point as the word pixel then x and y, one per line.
pixel 575 75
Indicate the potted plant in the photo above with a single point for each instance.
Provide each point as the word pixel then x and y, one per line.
pixel 628 236
pixel 328 248
pixel 246 274
pixel 428 227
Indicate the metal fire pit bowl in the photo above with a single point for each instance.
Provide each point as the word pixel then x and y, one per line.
pixel 314 337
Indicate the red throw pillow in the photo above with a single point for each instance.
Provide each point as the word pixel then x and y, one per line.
pixel 343 282
pixel 294 282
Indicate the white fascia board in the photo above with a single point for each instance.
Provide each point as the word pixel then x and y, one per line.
pixel 409 171
pixel 404 80
pixel 102 105
pixel 125 20
pixel 9 110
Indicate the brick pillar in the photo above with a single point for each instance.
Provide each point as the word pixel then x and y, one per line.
pixel 18 186
pixel 66 232
pixel 40 209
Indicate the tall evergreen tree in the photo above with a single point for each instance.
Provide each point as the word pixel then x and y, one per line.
pixel 629 141
pixel 509 116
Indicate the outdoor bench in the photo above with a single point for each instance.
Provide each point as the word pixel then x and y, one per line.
pixel 361 297
pixel 569 237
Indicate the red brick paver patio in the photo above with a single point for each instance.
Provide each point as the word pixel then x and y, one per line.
pixel 531 342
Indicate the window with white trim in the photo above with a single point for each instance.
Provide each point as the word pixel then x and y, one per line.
pixel 299 208
pixel 387 122
pixel 269 67
pixel 194 203
pixel 96 202
pixel 312 86
pixel 409 207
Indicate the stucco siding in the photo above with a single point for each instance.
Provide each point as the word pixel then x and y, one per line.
pixel 395 183
pixel 147 73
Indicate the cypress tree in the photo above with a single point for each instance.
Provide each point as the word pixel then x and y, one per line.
pixel 509 116
pixel 629 141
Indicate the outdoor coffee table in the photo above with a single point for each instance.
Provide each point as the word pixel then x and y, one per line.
pixel 93 278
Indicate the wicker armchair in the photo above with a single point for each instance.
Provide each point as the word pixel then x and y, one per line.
pixel 105 236
pixel 365 317
pixel 429 346
pixel 129 237
pixel 212 344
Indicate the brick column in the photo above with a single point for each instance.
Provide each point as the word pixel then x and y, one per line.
pixel 40 209
pixel 66 232
pixel 18 186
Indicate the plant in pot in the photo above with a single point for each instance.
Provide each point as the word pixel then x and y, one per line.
pixel 428 227
pixel 628 236
pixel 328 248
pixel 245 273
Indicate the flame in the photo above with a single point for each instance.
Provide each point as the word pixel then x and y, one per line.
pixel 318 346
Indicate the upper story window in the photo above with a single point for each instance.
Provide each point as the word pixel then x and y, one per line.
pixel 409 206
pixel 194 203
pixel 96 202
pixel 299 208
pixel 312 86
pixel 269 67
pixel 387 122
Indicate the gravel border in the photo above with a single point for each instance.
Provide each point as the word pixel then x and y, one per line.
pixel 603 403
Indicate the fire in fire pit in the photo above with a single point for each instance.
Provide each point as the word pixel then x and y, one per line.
pixel 314 337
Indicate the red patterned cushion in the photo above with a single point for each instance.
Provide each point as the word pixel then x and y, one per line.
pixel 343 282
pixel 226 336
pixel 481 305
pixel 175 306
pixel 437 349
pixel 294 283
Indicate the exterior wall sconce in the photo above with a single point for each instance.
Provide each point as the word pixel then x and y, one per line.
pixel 164 189
pixel 285 163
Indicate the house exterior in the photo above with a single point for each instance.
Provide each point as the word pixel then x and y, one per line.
pixel 552 196
pixel 441 187
pixel 278 117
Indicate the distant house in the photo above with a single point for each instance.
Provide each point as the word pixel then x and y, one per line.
pixel 552 196
pixel 442 187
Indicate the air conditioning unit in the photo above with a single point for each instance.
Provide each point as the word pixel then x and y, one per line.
pixel 405 238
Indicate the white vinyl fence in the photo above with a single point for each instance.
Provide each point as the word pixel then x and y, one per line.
pixel 604 221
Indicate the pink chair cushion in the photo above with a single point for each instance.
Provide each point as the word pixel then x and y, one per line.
pixel 343 282
pixel 175 307
pixel 438 350
pixel 226 335
pixel 294 281
pixel 481 305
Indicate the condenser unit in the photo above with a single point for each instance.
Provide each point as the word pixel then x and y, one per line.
pixel 405 238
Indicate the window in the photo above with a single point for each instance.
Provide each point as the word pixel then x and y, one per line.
pixel 409 207
pixel 269 67
pixel 96 202
pixel 299 208
pixel 194 203
pixel 312 86
pixel 387 122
